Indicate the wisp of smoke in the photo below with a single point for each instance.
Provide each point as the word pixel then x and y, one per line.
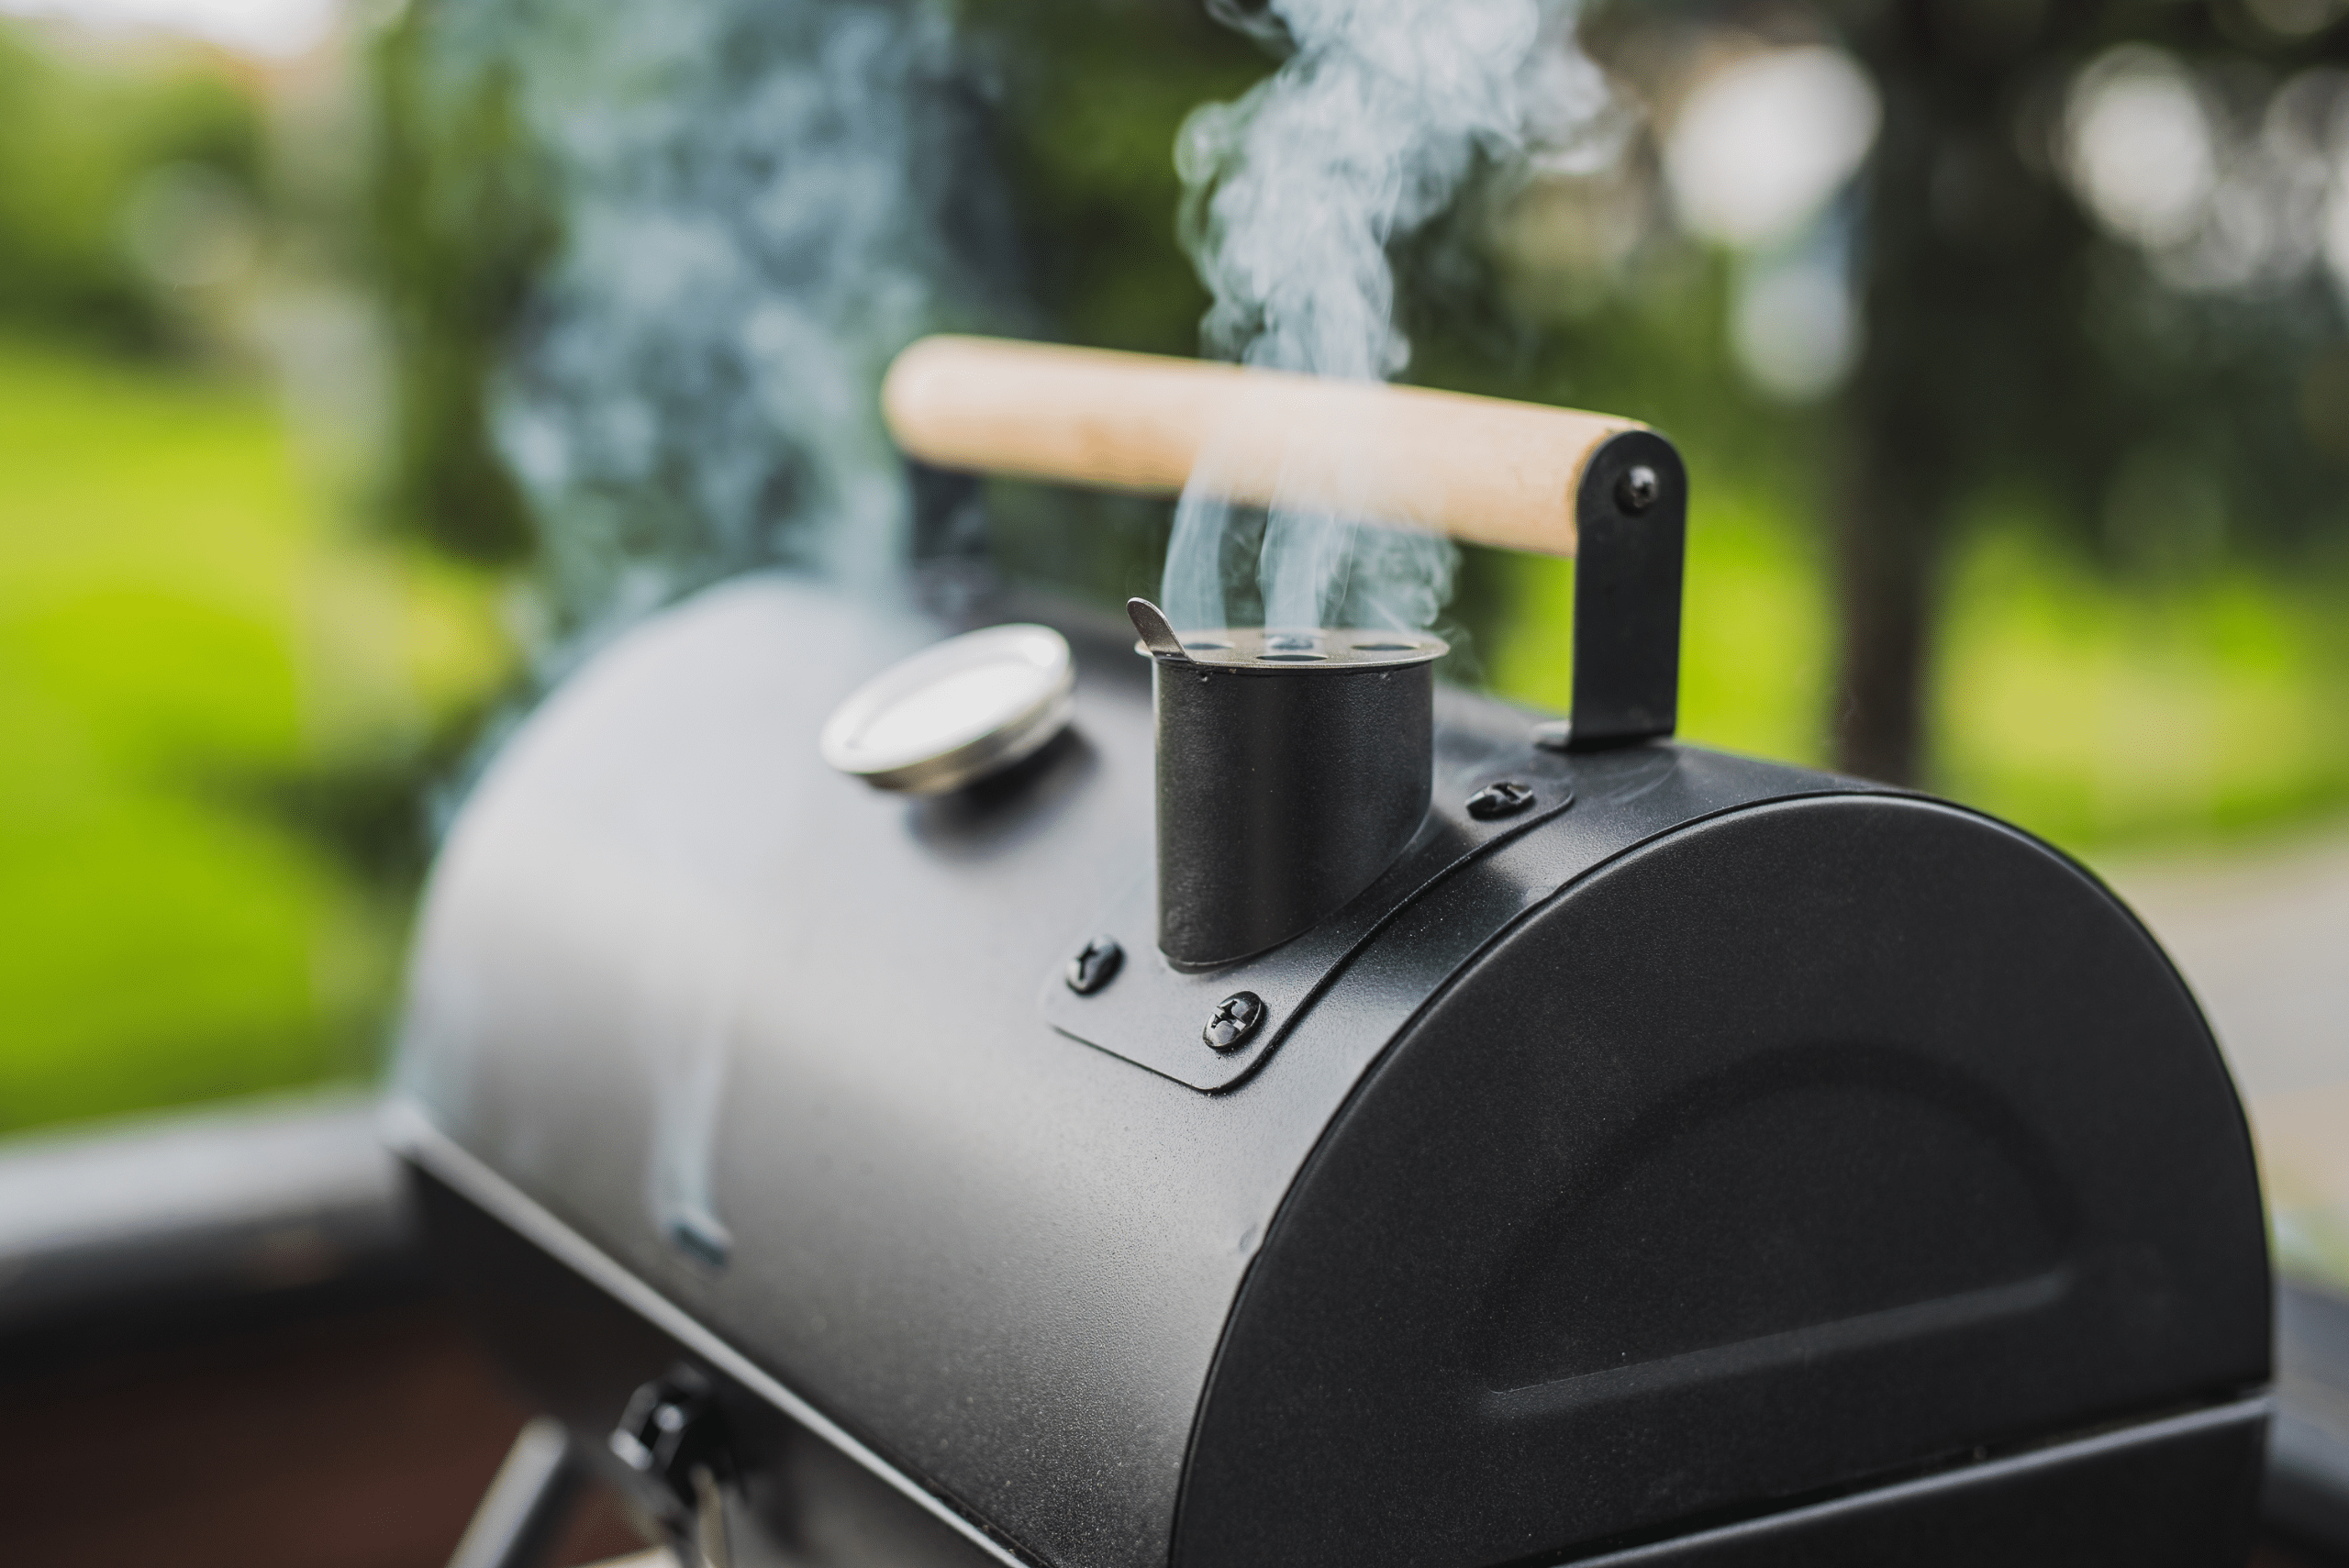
pixel 762 201
pixel 1293 196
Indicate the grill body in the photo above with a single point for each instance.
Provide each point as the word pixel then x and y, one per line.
pixel 1740 1165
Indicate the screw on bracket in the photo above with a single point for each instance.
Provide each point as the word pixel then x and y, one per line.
pixel 1638 489
pixel 1235 1018
pixel 1095 965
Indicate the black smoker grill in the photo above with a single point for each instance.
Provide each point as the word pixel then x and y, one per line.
pixel 1482 1144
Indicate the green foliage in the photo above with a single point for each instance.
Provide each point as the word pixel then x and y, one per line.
pixel 2098 711
pixel 222 714
pixel 2031 383
pixel 1085 99
pixel 463 221
pixel 1088 95
pixel 80 145
pixel 185 648
pixel 156 943
pixel 2025 349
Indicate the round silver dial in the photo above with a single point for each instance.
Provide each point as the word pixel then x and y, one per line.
pixel 955 712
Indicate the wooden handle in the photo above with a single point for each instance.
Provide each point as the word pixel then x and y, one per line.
pixel 1480 469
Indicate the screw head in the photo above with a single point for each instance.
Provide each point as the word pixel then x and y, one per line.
pixel 1235 1018
pixel 670 1428
pixel 1094 965
pixel 1638 489
pixel 1495 801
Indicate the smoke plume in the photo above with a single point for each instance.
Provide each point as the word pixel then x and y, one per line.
pixel 762 201
pixel 1293 196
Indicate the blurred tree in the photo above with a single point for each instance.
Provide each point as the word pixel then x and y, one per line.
pixel 463 221
pixel 1082 99
pixel 2017 353
pixel 120 185
pixel 1087 96
pixel 2014 348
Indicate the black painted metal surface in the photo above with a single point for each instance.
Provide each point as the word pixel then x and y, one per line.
pixel 582 1356
pixel 1282 793
pixel 1151 1011
pixel 1630 521
pixel 2307 1460
pixel 1733 1138
pixel 1822 1140
pixel 2166 1494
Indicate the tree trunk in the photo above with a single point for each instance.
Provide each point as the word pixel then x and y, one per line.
pixel 1900 468
pixel 1888 546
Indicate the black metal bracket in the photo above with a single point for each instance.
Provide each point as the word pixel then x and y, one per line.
pixel 1631 526
pixel 1151 1013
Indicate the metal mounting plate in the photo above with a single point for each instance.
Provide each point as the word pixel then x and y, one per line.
pixel 1153 1014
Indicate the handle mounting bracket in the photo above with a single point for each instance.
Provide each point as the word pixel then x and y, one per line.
pixel 1632 524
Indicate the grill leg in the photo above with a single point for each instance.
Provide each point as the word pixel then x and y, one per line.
pixel 528 1505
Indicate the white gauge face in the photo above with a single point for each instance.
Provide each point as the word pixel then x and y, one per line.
pixel 955 712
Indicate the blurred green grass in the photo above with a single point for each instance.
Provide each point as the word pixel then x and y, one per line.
pixel 2105 714
pixel 2100 713
pixel 182 632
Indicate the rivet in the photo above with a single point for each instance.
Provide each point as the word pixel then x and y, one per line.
pixel 1638 489
pixel 1235 1018
pixel 1494 801
pixel 1094 965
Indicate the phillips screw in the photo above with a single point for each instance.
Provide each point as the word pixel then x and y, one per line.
pixel 1235 1018
pixel 1495 801
pixel 1095 965
pixel 1638 489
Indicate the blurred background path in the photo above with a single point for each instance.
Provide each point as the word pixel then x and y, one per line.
pixel 2262 937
